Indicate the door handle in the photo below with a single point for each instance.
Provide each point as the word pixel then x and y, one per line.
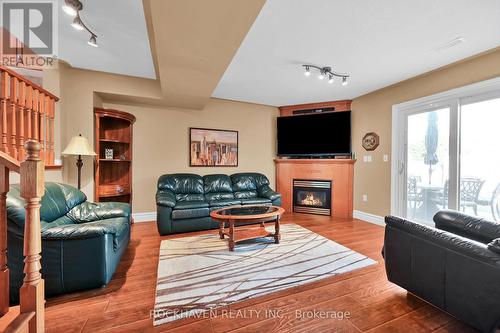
pixel 401 167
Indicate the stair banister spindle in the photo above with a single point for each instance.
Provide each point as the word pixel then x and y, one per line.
pixel 14 152
pixel 4 96
pixel 22 116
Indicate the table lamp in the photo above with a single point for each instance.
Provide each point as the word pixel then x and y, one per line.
pixel 79 146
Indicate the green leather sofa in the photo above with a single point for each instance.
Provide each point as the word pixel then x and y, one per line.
pixel 82 242
pixel 184 200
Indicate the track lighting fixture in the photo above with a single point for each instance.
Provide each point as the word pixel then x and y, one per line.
pixel 93 41
pixel 324 72
pixel 308 71
pixel 77 23
pixel 73 8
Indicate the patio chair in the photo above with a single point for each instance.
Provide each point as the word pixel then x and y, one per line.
pixel 413 194
pixel 470 188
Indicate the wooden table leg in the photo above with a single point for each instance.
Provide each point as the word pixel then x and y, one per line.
pixel 221 230
pixel 277 235
pixel 231 235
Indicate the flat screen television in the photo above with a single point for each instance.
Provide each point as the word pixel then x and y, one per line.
pixel 315 135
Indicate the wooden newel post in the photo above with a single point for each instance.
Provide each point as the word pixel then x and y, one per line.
pixel 32 190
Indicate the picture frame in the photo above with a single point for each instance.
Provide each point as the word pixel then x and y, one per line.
pixel 210 147
pixel 108 153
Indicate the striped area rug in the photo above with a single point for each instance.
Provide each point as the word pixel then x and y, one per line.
pixel 198 274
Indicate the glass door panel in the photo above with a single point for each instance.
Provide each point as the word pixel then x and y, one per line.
pixel 427 163
pixel 479 159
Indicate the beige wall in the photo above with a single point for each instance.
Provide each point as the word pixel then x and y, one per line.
pixel 373 113
pixel 160 133
pixel 161 142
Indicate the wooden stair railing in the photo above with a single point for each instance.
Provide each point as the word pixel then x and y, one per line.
pixel 27 112
pixel 31 303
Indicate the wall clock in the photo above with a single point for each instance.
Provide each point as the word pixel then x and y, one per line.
pixel 370 141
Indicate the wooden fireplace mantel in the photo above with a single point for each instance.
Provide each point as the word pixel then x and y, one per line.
pixel 339 171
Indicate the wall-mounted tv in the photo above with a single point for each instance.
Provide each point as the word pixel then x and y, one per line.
pixel 321 135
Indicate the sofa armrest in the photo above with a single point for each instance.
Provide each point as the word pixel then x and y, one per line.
pixel 451 241
pixel 90 212
pixel 467 226
pixel 74 231
pixel 117 228
pixel 267 192
pixel 494 245
pixel 165 198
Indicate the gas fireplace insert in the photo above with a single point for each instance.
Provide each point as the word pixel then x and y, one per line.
pixel 312 196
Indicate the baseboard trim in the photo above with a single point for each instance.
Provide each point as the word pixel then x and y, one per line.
pixel 144 217
pixel 367 217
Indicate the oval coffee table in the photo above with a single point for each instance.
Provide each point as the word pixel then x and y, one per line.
pixel 235 215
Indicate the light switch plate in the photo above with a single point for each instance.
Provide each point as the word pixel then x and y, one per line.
pixel 386 158
pixel 365 197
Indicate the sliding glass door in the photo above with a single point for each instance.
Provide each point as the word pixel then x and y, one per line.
pixel 427 166
pixel 447 154
pixel 480 158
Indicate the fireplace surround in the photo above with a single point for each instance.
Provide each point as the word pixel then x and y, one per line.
pixel 339 171
pixel 312 196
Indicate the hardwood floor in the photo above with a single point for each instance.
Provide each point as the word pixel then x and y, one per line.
pixel 373 304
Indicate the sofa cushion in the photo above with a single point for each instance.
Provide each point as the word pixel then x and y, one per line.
pixel 245 194
pixel 255 201
pixel 189 197
pixel 89 211
pixel 58 200
pixel 243 182
pixel 180 214
pixel 191 205
pixel 224 202
pixel 217 187
pixel 181 183
pixel 245 185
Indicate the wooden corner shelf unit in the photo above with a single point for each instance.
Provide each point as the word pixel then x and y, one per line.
pixel 113 177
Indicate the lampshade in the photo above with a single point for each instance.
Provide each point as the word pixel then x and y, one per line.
pixel 79 145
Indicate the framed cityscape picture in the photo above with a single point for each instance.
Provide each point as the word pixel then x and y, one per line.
pixel 213 147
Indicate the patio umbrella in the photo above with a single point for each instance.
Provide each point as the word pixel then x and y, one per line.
pixel 431 142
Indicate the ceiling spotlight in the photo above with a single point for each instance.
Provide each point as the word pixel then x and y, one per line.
pixel 71 7
pixel 330 78
pixel 77 23
pixel 344 80
pixel 93 41
pixel 308 71
pixel 321 75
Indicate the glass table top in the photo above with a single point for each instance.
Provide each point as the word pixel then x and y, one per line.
pixel 248 210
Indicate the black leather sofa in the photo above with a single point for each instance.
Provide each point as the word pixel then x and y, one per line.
pixel 184 200
pixel 454 266
pixel 82 242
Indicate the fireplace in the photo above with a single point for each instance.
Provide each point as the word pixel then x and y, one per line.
pixel 312 196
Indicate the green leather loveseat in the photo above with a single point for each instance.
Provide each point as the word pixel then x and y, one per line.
pixel 184 200
pixel 82 242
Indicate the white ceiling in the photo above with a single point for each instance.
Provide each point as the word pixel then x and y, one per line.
pixel 122 38
pixel 377 43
